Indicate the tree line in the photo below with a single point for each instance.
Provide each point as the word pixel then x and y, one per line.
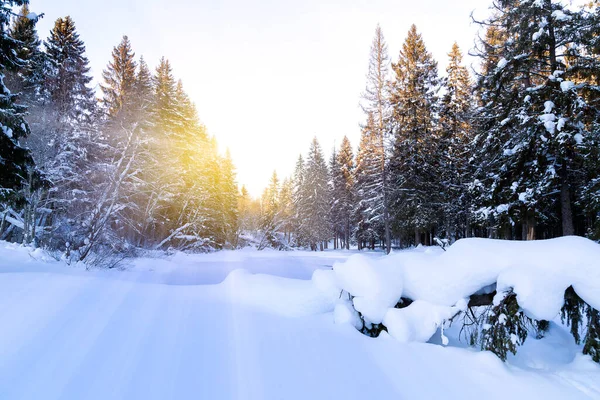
pixel 510 151
pixel 91 177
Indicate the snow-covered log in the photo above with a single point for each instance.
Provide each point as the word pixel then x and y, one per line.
pixel 522 283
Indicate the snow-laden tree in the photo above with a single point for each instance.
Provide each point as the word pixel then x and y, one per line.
pixel 368 182
pixel 535 117
pixel 376 105
pixel 312 201
pixel 15 160
pixel 414 163
pixel 345 191
pixel 455 146
pixel 68 78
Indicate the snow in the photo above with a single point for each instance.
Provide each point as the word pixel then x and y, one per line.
pixel 548 121
pixel 560 15
pixel 419 321
pixel 375 287
pixel 268 325
pixel 32 16
pixel 502 63
pixel 566 86
pixel 539 272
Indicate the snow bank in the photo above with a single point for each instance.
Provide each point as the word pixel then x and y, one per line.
pixel 282 296
pixel 374 285
pixel 419 321
pixel 538 272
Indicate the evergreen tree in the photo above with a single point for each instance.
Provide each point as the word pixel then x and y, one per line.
pixel 456 136
pixel 414 163
pixel 69 73
pixel 535 118
pixel 119 86
pixel 144 89
pixel 165 102
pixel 346 197
pixel 376 104
pixel 368 183
pixel 15 160
pixel 335 188
pixel 29 77
pixel 300 238
pixel 313 202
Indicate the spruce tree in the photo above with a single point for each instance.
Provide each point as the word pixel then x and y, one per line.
pixel 376 104
pixel 15 160
pixel 314 200
pixel 120 80
pixel 346 197
pixel 454 146
pixel 368 179
pixel 69 73
pixel 144 90
pixel 165 103
pixel 335 187
pixel 414 163
pixel 535 119
pixel 29 77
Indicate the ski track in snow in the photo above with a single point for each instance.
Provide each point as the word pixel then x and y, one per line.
pixel 168 329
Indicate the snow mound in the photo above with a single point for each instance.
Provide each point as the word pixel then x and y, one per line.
pixel 418 322
pixel 375 286
pixel 538 272
pixel 273 294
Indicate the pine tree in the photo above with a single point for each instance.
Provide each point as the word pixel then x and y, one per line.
pixel 30 75
pixel 335 188
pixel 368 183
pixel 15 160
pixel 346 196
pixel 454 145
pixel 270 215
pixel 376 98
pixel 144 89
pixel 414 168
pixel 120 80
pixel 300 238
pixel 69 73
pixel 313 202
pixel 535 119
pixel 165 103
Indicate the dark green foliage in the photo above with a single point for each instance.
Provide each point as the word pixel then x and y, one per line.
pixel 414 165
pixel 28 78
pixel 506 327
pixel 591 341
pixel 15 161
pixel 541 328
pixel 69 73
pixel 577 313
pixel 572 313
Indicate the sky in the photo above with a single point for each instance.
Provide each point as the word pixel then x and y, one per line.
pixel 267 76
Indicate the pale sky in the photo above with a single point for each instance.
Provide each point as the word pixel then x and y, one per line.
pixel 267 76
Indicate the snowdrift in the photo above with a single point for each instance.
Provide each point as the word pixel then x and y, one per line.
pixel 438 284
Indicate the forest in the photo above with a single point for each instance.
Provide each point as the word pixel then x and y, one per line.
pixel 507 150
pixel 510 151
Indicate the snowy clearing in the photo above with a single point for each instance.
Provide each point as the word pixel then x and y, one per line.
pixel 186 327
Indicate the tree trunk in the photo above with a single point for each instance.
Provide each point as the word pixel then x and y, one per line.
pixel 417 237
pixel 565 206
pixel 531 225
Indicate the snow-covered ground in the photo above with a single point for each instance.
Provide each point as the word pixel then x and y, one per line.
pixel 187 327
